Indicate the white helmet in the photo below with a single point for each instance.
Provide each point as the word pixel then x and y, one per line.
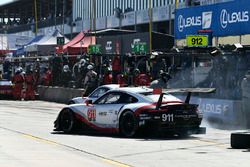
pixel 90 67
pixel 19 70
pixel 82 62
pixel 65 68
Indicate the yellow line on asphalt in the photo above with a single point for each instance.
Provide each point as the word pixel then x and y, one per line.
pixel 212 142
pixel 40 139
pixel 115 163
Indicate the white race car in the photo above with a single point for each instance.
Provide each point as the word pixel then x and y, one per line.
pixel 126 110
pixel 95 94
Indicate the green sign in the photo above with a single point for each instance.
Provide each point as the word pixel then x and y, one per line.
pixel 94 49
pixel 197 40
pixel 140 48
pixel 60 40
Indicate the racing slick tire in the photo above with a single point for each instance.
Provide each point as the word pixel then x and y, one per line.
pixel 240 140
pixel 128 124
pixel 67 121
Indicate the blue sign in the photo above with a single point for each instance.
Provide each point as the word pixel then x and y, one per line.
pixel 224 19
pixel 218 109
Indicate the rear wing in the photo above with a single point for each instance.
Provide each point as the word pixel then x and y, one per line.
pixel 189 91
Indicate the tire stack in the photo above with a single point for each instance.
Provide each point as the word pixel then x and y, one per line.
pixel 240 140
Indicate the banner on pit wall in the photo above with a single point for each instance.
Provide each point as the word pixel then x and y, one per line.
pixel 224 19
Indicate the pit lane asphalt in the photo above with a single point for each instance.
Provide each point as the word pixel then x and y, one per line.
pixel 27 139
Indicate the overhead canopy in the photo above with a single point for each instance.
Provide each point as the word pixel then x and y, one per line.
pixel 77 45
pixel 21 51
pixel 110 31
pixel 81 46
pixel 75 40
pixel 46 45
pixel 10 42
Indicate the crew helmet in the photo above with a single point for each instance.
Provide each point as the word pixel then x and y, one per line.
pixel 66 68
pixel 90 67
pixel 136 71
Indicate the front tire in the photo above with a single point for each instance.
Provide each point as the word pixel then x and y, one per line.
pixel 67 121
pixel 128 124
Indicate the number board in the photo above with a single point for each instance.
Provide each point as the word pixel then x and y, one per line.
pixel 140 48
pixel 197 40
pixel 94 49
pixel 60 40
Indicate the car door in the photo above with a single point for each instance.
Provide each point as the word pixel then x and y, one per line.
pixel 107 108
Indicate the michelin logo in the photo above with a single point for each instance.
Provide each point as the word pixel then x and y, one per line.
pixel 227 18
pixel 205 21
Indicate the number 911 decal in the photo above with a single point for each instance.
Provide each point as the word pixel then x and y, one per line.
pixel 167 117
pixel 91 114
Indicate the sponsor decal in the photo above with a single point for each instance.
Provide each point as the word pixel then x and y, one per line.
pixel 227 18
pixel 207 19
pixel 135 41
pixel 108 46
pixel 167 117
pixel 214 108
pixel 188 22
pixel 102 113
pixel 91 114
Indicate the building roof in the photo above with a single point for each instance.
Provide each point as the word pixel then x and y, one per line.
pixel 109 31
pixel 23 11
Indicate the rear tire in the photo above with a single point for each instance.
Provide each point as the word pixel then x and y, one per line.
pixel 240 140
pixel 128 124
pixel 67 121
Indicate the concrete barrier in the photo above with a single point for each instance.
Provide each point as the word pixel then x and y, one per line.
pixel 58 94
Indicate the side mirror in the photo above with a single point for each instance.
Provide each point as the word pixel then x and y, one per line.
pixel 88 102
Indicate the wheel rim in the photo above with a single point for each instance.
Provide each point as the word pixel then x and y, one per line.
pixel 128 124
pixel 67 121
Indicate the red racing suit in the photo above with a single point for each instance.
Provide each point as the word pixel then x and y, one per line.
pixel 116 68
pixel 47 78
pixel 142 80
pixel 18 81
pixel 107 79
pixel 30 91
pixel 121 80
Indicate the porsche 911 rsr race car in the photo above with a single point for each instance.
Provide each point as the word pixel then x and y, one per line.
pixel 95 94
pixel 6 89
pixel 126 110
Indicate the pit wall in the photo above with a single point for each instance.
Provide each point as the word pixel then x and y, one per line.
pixel 226 113
pixel 58 94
